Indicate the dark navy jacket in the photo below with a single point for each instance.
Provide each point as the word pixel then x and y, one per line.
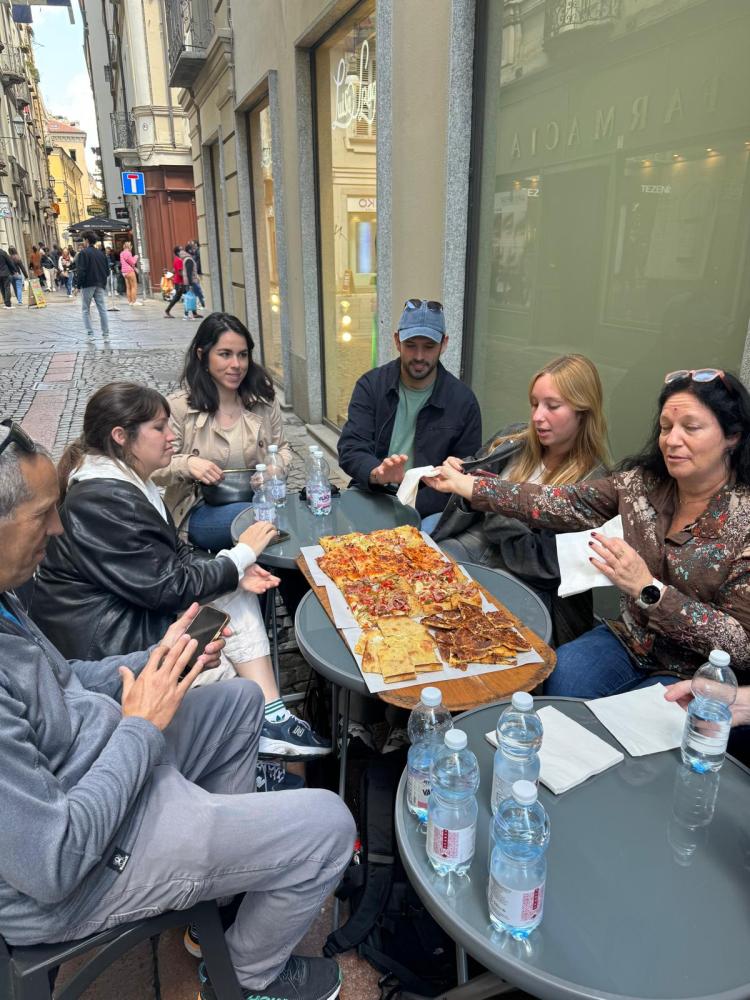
pixel 450 423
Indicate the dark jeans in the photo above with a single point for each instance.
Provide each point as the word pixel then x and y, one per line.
pixel 5 284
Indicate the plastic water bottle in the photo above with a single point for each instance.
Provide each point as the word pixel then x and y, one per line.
pixel 263 506
pixel 427 723
pixel 318 488
pixel 518 870
pixel 519 738
pixel 693 805
pixel 276 476
pixel 709 715
pixel 259 477
pixel 318 451
pixel 452 805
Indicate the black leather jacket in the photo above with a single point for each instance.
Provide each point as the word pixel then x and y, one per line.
pixel 118 576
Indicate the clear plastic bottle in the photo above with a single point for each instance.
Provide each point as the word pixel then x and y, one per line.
pixel 519 739
pixel 518 869
pixel 318 488
pixel 452 805
pixel 322 460
pixel 427 723
pixel 260 476
pixel 693 805
pixel 263 506
pixel 276 476
pixel 709 714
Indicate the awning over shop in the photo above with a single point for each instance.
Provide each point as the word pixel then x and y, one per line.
pixel 101 224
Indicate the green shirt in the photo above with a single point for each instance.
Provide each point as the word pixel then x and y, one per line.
pixel 410 402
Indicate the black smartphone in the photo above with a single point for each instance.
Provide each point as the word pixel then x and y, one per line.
pixel 281 536
pixel 205 627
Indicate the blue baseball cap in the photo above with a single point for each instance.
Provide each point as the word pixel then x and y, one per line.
pixel 422 318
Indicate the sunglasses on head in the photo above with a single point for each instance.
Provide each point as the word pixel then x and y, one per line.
pixel 16 435
pixel 700 375
pixel 436 307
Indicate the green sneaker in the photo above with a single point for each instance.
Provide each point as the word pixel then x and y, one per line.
pixel 301 978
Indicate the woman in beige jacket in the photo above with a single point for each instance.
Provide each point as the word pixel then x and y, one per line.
pixel 225 417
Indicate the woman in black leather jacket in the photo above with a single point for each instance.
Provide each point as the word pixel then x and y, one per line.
pixel 564 442
pixel 119 573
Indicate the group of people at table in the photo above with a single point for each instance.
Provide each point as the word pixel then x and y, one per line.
pixel 116 751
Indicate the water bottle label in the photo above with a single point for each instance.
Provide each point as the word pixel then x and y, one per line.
pixel 417 791
pixel 450 845
pixel 516 907
pixel 321 500
pixel 278 489
pixel 265 512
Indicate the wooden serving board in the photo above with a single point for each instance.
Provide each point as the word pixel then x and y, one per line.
pixel 464 693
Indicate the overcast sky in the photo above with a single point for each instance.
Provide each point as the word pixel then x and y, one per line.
pixel 58 51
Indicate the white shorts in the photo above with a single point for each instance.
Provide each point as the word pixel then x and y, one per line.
pixel 248 641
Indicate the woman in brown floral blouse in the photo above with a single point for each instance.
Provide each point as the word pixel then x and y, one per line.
pixel 683 567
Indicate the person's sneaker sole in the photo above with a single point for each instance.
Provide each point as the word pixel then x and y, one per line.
pixel 279 748
pixel 192 947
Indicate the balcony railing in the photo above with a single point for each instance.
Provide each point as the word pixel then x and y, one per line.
pixel 570 17
pixel 123 130
pixel 189 31
pixel 12 65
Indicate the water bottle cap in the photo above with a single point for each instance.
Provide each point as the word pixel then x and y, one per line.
pixel 719 658
pixel 456 739
pixel 522 701
pixel 431 696
pixel 524 792
pixel 273 447
pixel 260 467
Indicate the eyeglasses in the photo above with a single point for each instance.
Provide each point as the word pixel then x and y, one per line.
pixel 436 307
pixel 16 435
pixel 700 375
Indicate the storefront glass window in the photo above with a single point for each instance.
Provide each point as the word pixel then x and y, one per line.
pixel 222 250
pixel 346 101
pixel 613 212
pixel 269 295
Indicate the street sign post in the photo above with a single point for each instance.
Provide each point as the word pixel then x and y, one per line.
pixel 133 182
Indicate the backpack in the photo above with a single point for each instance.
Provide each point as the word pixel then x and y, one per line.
pixel 388 924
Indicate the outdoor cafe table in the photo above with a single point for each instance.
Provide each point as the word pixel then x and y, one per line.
pixel 647 894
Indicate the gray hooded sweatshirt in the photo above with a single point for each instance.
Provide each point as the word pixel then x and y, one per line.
pixel 72 770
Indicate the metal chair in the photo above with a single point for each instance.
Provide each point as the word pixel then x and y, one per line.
pixel 25 970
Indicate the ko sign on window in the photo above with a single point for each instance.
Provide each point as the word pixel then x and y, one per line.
pixel 133 182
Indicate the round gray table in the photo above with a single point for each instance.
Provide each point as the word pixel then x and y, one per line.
pixel 352 510
pixel 648 886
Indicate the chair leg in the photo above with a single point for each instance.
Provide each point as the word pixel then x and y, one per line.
pixel 33 986
pixel 215 954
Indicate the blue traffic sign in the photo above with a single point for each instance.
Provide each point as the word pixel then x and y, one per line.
pixel 133 182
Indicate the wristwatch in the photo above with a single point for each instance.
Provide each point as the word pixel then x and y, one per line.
pixel 650 595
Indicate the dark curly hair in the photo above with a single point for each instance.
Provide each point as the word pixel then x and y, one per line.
pixel 203 395
pixel 728 400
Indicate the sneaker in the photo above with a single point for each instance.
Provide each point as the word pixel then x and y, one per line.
pixel 397 738
pixel 271 776
pixel 301 978
pixel 291 738
pixel 191 942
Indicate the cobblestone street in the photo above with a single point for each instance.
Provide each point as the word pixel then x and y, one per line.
pixel 49 367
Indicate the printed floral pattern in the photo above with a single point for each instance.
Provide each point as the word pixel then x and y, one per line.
pixel 706 567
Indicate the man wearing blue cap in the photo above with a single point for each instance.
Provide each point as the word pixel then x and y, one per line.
pixel 410 412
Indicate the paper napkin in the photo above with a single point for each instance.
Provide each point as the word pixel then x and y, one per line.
pixel 641 720
pixel 570 753
pixel 573 552
pixel 407 491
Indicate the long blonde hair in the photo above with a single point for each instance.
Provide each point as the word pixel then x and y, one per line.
pixel 578 382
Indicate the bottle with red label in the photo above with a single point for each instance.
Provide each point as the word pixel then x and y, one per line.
pixel 518 867
pixel 452 805
pixel 427 723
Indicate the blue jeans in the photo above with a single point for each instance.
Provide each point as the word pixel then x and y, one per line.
pixel 18 282
pixel 429 523
pixel 97 294
pixel 209 527
pixel 596 665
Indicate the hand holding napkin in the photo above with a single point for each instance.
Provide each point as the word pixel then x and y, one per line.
pixel 576 572
pixel 407 491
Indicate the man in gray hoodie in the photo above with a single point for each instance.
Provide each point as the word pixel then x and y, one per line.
pixel 125 793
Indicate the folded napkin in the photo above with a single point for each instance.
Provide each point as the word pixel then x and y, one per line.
pixel 577 574
pixel 407 491
pixel 570 753
pixel 641 720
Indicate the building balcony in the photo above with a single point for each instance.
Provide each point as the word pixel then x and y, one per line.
pixel 578 18
pixel 189 32
pixel 123 131
pixel 12 65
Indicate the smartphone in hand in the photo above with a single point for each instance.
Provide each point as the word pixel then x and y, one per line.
pixel 207 625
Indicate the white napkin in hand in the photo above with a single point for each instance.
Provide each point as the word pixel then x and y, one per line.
pixel 641 720
pixel 407 491
pixel 577 574
pixel 570 753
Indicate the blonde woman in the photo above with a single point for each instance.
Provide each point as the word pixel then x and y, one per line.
pixel 563 443
pixel 127 265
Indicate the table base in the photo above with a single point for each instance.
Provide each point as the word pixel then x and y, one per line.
pixel 483 987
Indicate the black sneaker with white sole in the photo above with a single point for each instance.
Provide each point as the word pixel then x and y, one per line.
pixel 291 738
pixel 300 979
pixel 270 776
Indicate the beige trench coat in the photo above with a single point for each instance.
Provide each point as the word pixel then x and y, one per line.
pixel 199 435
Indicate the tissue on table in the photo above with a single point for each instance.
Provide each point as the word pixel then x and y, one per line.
pixel 576 572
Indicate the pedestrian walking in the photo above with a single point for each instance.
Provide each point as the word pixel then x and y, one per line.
pixel 35 264
pixel 194 250
pixel 20 275
pixel 49 267
pixel 65 270
pixel 128 264
pixel 179 288
pixel 7 273
pixel 92 269
pixel 192 289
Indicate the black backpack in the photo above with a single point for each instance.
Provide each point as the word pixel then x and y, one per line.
pixel 388 925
